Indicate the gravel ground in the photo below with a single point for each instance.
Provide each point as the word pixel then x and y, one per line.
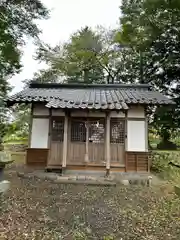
pixel 37 209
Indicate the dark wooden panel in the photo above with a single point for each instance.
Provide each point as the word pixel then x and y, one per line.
pixel 37 156
pixel 137 161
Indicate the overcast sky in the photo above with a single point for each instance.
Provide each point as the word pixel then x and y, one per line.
pixel 67 16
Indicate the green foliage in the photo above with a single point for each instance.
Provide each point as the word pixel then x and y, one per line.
pixel 17 21
pixel 160 164
pixel 152 28
pixel 19 127
pixel 15 139
pixel 79 236
pixel 73 61
pixel 3 109
pixel 87 57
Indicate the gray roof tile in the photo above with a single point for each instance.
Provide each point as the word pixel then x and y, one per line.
pixel 89 96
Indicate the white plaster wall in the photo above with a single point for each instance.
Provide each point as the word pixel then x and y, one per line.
pixel 40 110
pixel 136 112
pixel 136 136
pixel 39 133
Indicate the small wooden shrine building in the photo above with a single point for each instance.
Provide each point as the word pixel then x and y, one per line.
pixel 89 127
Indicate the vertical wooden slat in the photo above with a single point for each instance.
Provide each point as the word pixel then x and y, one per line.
pixel 107 148
pixel 50 128
pixel 125 143
pixel 149 158
pixel 136 161
pixel 30 127
pixel 65 141
pixel 86 157
pixel 146 134
pixel 30 132
pixel 49 135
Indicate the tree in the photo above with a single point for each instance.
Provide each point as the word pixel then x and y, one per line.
pixel 152 28
pixel 88 57
pixel 17 21
pixel 19 126
pixel 73 61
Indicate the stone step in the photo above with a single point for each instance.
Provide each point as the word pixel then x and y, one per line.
pixel 86 179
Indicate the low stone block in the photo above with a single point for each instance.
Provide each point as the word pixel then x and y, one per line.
pixel 81 177
pixel 74 178
pixel 62 178
pixel 149 183
pixel 125 182
pixel 20 174
pixel 91 178
pixel 4 186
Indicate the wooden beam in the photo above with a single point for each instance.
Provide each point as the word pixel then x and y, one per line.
pixel 65 141
pixel 40 116
pixel 107 145
pixel 88 114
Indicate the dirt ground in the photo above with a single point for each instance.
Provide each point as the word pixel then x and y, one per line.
pixel 37 209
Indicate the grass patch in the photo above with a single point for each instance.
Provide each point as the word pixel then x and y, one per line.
pixel 160 165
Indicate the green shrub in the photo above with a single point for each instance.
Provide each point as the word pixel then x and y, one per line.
pixel 160 164
pixel 159 161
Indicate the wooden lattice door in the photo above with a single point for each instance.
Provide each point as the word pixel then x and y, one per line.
pixel 76 141
pixel 96 141
pixel 56 145
pixel 86 142
pixel 117 139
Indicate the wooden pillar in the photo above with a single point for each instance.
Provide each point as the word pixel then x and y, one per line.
pixel 30 132
pixel 107 145
pixel 30 127
pixel 49 136
pixel 50 128
pixel 87 143
pixel 146 135
pixel 65 141
pixel 126 141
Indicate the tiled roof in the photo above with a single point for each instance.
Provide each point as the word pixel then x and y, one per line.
pixel 116 96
